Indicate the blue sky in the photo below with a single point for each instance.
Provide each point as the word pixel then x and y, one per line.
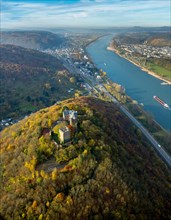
pixel 84 13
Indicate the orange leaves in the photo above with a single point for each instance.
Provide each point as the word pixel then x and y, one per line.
pixel 59 197
pixel 67 168
pixel 34 205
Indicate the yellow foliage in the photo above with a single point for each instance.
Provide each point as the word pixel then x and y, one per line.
pixel 85 152
pixel 39 180
pixel 14 134
pixel 47 203
pixel 34 205
pixel 107 190
pixel 31 165
pixel 42 173
pixel 10 147
pixel 23 215
pixel 12 180
pixel 69 200
pixel 49 123
pixel 54 174
pixel 92 142
pixel 40 217
pixel 37 173
pixel 33 175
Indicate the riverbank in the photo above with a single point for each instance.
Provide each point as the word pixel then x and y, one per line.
pixel 134 80
pixel 142 68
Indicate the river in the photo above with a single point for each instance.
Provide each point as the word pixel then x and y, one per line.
pixel 139 85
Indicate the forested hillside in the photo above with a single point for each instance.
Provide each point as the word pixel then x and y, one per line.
pixel 30 80
pixel 39 40
pixel 107 170
pixel 158 39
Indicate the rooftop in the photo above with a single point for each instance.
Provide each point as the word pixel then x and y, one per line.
pixel 64 129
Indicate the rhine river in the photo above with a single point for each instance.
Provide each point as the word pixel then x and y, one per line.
pixel 139 85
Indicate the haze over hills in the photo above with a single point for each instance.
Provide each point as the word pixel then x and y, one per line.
pixel 30 80
pixel 160 40
pixel 107 171
pixel 39 40
pixel 151 38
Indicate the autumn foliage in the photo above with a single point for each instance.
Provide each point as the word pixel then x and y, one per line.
pixel 107 171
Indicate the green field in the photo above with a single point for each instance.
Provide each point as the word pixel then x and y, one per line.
pixel 161 71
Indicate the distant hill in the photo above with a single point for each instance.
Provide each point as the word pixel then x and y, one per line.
pixel 107 171
pixel 160 40
pixel 30 80
pixel 150 38
pixel 39 40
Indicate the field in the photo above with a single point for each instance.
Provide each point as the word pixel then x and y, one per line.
pixel 161 71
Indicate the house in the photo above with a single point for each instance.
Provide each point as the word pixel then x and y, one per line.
pixel 70 114
pixel 66 115
pixel 64 134
pixel 73 118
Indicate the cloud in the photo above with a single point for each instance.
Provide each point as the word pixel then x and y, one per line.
pixel 80 15
pixel 84 13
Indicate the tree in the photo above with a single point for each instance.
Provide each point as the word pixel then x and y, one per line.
pixel 73 80
pixel 54 174
pixel 47 86
pixel 28 99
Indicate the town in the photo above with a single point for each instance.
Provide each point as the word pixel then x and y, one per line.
pixel 145 50
pixel 74 55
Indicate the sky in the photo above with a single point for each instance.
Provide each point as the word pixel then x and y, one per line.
pixel 84 13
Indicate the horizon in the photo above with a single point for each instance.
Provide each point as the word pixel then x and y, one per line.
pixel 84 14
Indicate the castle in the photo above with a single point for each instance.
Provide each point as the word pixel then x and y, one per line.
pixel 65 133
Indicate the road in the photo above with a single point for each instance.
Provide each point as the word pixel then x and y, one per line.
pixel 155 144
pixel 162 153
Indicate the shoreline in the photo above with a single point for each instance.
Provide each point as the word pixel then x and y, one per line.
pixel 89 43
pixel 142 68
pixel 169 83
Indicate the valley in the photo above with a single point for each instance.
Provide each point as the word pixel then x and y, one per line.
pixel 85 110
pixel 59 162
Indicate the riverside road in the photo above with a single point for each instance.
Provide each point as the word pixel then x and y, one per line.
pixel 161 152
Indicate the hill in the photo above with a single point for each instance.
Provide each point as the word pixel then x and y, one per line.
pixel 30 80
pixel 39 40
pixel 107 170
pixel 150 50
pixel 157 39
pixel 160 40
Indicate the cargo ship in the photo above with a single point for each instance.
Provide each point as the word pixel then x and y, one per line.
pixel 160 101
